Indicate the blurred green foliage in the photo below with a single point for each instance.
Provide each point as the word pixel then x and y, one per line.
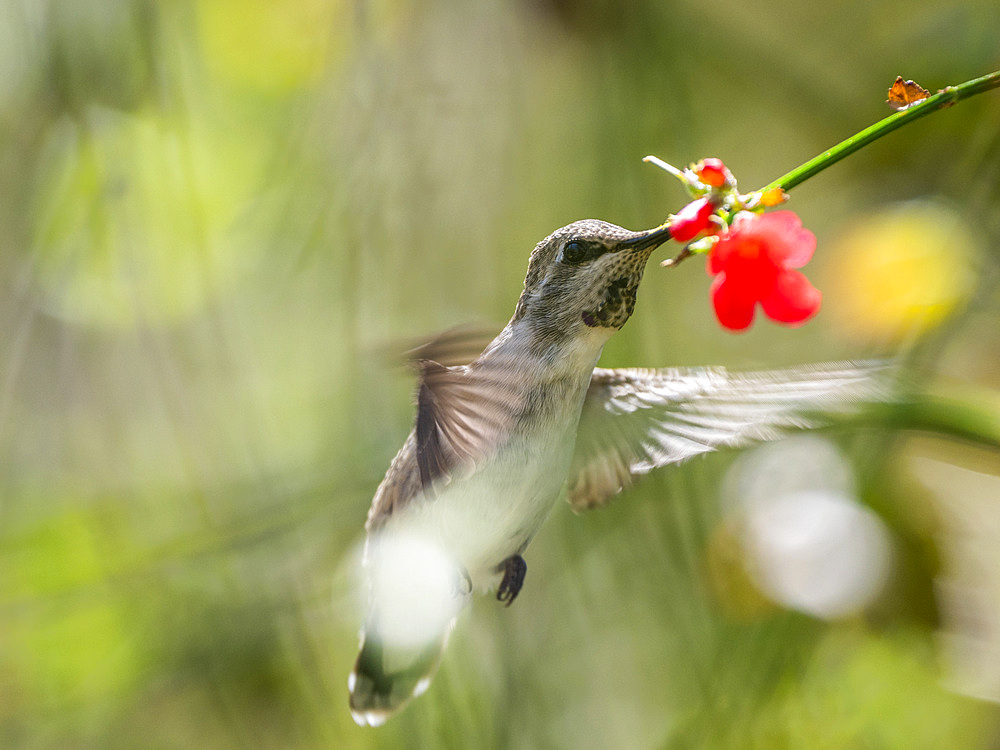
pixel 219 220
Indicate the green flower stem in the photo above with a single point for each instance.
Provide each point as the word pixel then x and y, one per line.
pixel 946 97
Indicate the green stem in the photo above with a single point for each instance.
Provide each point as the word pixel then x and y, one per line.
pixel 946 97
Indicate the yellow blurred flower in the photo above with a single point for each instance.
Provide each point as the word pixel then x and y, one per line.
pixel 900 272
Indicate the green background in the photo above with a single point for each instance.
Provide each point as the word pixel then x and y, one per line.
pixel 220 222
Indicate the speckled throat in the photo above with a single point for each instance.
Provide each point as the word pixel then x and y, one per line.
pixel 618 301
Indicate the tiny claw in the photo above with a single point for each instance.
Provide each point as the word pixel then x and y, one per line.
pixel 514 570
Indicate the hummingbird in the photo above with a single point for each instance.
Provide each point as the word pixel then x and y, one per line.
pixel 498 440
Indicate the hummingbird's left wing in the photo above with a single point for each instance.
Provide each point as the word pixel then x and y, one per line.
pixel 463 416
pixel 636 420
pixel 464 413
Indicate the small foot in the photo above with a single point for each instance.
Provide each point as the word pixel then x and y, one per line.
pixel 514 570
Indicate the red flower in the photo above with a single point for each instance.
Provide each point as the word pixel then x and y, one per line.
pixel 692 220
pixel 754 261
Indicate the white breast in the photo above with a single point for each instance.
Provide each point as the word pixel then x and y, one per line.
pixel 484 519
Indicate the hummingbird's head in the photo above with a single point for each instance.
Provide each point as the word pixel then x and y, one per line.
pixel 585 276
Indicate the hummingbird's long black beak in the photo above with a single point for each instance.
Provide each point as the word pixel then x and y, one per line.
pixel 649 239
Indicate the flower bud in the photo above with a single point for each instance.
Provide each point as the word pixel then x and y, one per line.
pixel 692 220
pixel 714 173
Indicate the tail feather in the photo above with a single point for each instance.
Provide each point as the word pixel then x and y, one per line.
pixel 386 678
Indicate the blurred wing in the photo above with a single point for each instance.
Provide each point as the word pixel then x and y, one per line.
pixel 634 421
pixel 456 346
pixel 463 415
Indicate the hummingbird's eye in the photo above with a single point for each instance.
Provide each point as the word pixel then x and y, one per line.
pixel 575 252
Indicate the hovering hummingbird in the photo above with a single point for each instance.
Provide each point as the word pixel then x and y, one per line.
pixel 496 441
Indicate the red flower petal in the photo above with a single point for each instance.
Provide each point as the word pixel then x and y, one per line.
pixel 792 299
pixel 722 253
pixel 787 242
pixel 734 245
pixel 718 256
pixel 733 307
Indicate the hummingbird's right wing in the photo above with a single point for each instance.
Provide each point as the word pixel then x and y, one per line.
pixel 636 420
